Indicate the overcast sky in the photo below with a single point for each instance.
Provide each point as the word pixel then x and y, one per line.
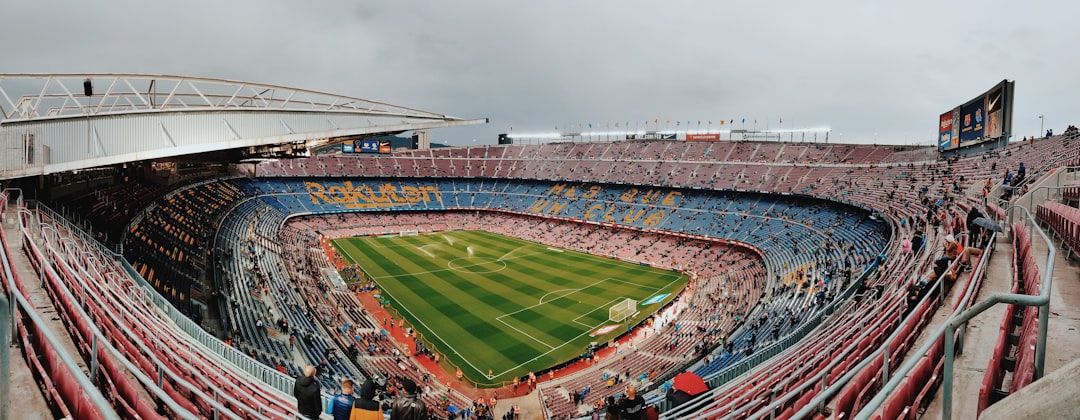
pixel 866 69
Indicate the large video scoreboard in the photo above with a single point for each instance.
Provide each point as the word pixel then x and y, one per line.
pixel 370 146
pixel 984 118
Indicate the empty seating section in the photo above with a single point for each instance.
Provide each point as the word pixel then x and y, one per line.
pixel 57 381
pixel 1071 191
pixel 168 246
pixel 1012 364
pixel 90 288
pixel 1063 221
pixel 113 206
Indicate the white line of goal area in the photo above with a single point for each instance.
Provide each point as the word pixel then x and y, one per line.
pixel 588 330
pixel 588 327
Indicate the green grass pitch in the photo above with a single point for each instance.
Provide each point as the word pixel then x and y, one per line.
pixel 491 302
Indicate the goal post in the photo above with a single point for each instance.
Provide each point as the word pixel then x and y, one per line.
pixel 409 233
pixel 622 310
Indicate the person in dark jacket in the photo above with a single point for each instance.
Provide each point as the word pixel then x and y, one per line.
pixel 308 395
pixel 365 407
pixel 407 406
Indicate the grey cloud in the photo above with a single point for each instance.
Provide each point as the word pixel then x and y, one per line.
pixel 859 67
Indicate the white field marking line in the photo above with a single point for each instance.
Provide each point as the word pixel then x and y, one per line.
pixel 560 297
pixel 447 343
pixel 556 290
pixel 606 305
pixel 426 252
pixel 616 300
pixel 512 251
pixel 500 317
pixel 461 268
pixel 549 346
pixel 416 273
pixel 375 242
pixel 347 253
pixel 520 365
pixel 636 284
pixel 588 330
pixel 467 361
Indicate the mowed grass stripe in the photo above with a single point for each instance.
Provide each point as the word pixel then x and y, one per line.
pixel 455 297
pixel 474 300
pixel 498 289
pixel 450 303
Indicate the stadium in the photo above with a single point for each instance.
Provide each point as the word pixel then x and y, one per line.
pixel 185 251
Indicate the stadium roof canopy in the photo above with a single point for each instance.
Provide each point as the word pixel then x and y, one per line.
pixel 61 122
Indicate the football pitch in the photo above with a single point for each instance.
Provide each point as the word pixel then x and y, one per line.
pixel 491 303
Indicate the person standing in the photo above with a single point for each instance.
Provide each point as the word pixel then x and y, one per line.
pixel 611 409
pixel 308 395
pixel 365 407
pixel 407 406
pixel 341 404
pixel 633 407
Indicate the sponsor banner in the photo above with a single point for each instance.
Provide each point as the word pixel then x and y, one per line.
pixel 347 148
pixel 995 115
pixel 384 146
pixel 603 330
pixel 369 146
pixel 702 137
pixel 651 136
pixel 655 299
pixel 372 195
pixel 973 120
pixel 948 129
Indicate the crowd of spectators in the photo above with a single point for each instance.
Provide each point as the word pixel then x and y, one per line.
pixel 917 195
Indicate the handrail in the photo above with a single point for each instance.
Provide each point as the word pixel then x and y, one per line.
pixel 244 364
pixel 93 394
pixel 768 353
pixel 957 319
pixel 1042 301
pixel 180 381
pixel 900 373
pixel 98 336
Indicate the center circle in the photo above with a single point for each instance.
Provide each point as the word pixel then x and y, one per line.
pixel 477 265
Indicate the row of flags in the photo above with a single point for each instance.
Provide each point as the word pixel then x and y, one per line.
pixel 656 121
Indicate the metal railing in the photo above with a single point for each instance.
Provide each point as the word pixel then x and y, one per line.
pixel 243 362
pixel 150 295
pixel 958 320
pixel 761 356
pixel 93 394
pixel 1042 301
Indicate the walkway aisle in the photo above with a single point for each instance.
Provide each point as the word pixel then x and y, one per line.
pixel 1063 345
pixel 27 401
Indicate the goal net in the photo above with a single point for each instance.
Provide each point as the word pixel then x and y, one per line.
pixel 622 310
pixel 409 233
